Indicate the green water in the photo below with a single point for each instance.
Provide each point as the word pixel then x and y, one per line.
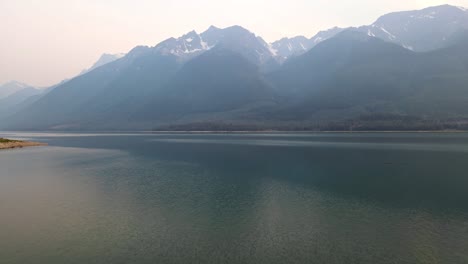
pixel 249 198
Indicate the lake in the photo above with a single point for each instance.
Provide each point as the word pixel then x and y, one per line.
pixel 235 198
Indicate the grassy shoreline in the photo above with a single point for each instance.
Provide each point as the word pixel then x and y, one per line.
pixel 234 131
pixel 12 144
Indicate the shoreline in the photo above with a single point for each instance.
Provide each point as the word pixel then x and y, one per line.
pixel 294 131
pixel 232 131
pixel 14 144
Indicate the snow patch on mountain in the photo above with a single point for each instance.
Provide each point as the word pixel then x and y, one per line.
pixel 390 35
pixel 273 51
pixel 184 47
pixel 288 47
pixel 420 30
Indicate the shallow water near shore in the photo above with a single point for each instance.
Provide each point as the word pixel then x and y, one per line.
pixel 235 198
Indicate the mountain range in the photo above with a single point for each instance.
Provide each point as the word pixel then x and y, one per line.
pixel 15 96
pixel 408 70
pixel 103 60
pixel 12 87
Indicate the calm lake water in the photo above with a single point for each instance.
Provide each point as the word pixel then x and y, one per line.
pixel 225 198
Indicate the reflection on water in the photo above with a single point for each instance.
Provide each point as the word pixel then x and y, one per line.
pixel 281 198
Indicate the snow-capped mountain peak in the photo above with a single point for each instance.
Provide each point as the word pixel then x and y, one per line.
pixel 289 47
pixel 235 38
pixel 325 34
pixel 185 46
pixel 420 30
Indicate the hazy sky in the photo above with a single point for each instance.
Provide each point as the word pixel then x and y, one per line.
pixel 45 41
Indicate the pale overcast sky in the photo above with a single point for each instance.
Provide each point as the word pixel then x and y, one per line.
pixel 45 41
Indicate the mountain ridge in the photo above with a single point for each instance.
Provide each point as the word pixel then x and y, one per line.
pixel 232 76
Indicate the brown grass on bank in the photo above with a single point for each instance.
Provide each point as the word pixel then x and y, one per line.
pixel 11 144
